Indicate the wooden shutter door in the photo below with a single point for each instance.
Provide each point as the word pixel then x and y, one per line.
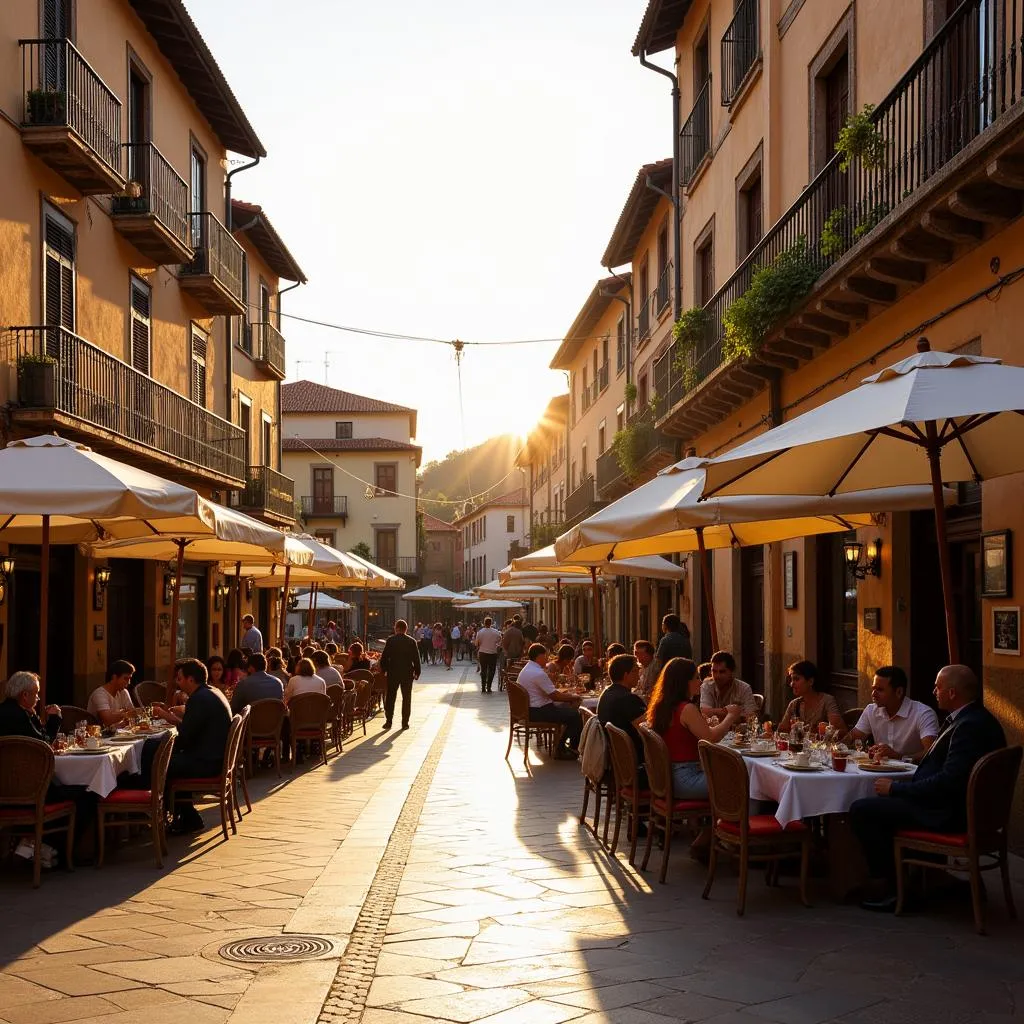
pixel 59 286
pixel 198 369
pixel 141 327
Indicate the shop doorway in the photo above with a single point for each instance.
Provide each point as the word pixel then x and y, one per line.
pixel 837 621
pixel 752 612
pixel 126 615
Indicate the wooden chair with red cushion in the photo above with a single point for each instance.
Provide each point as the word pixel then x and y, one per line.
pixel 221 786
pixel 310 715
pixel 26 769
pixel 757 838
pixel 664 811
pixel 139 806
pixel 626 790
pixel 519 724
pixel 989 801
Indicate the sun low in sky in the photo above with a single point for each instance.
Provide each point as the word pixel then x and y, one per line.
pixel 447 170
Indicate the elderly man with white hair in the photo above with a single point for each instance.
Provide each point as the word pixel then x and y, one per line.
pixel 18 710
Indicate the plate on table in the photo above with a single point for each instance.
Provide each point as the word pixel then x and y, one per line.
pixel 793 766
pixel 885 766
pixel 750 752
pixel 89 750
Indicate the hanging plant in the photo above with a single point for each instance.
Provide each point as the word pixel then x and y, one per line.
pixel 630 444
pixel 774 291
pixel 690 331
pixel 629 392
pixel 859 138
pixel 833 235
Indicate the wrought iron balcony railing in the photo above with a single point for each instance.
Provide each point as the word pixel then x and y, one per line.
pixel 333 505
pixel 643 320
pixel 741 46
pixel 663 294
pixel 156 190
pixel 61 90
pixel 402 565
pixel 969 75
pixel 268 348
pixel 218 257
pixel 99 390
pixel 602 379
pixel 581 501
pixel 695 136
pixel 266 490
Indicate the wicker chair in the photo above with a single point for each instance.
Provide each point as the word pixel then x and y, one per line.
pixel 139 806
pixel 310 715
pixel 149 692
pixel 664 810
pixel 600 785
pixel 221 786
pixel 519 725
pixel 989 802
pixel 360 673
pixel 852 717
pixel 757 838
pixel 378 691
pixel 26 768
pixel 263 730
pixel 626 790
pixel 70 716
pixel 759 703
pixel 348 716
pixel 337 694
pixel 364 702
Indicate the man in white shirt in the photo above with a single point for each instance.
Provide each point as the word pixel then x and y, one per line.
pixel 252 638
pixel 899 726
pixel 487 641
pixel 457 641
pixel 111 702
pixel 549 704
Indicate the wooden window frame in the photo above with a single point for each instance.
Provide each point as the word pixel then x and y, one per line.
pixel 378 486
pixel 196 332
pixel 704 240
pixel 137 283
pixel 339 434
pixel 842 40
pixel 50 212
pixel 752 171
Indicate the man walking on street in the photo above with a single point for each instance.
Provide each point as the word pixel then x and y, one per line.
pixel 400 662
pixel 487 642
pixel 252 638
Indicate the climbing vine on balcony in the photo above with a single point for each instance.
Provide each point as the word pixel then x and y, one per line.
pixel 833 235
pixel 775 289
pixel 631 443
pixel 690 331
pixel 860 138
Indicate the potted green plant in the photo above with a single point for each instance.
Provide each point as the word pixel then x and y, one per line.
pixel 47 106
pixel 37 381
pixel 690 332
pixel 860 138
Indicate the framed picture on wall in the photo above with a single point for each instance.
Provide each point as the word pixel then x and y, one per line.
pixel 1006 631
pixel 996 564
pixel 789 579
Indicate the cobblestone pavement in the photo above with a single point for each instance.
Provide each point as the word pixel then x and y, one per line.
pixel 454 886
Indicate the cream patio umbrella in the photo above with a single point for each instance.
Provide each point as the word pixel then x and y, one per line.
pixel 56 491
pixel 933 418
pixel 433 592
pixel 666 515
pixel 544 561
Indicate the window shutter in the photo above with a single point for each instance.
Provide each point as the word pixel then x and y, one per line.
pixel 59 289
pixel 198 369
pixel 141 326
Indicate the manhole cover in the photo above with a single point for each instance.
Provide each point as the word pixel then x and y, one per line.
pixel 273 948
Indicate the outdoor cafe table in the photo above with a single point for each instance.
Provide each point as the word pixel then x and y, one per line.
pixel 98 771
pixel 806 794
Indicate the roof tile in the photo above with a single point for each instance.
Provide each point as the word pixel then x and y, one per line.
pixel 307 396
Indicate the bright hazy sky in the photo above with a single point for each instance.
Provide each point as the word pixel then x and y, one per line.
pixel 451 169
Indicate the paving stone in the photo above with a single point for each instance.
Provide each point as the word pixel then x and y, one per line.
pixel 468 1006
pixel 49 1012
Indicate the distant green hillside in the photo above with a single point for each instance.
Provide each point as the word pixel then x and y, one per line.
pixel 470 471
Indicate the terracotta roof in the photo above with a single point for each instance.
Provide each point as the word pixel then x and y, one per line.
pixel 508 499
pixel 307 396
pixel 600 298
pixel 434 525
pixel 662 21
pixel 179 41
pixel 251 219
pixel 348 444
pixel 636 213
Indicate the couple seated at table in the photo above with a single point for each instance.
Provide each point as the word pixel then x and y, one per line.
pixel 548 703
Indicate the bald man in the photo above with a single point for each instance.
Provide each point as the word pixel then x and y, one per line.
pixel 935 798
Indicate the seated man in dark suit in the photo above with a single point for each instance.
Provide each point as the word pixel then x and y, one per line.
pixel 202 737
pixel 935 798
pixel 18 710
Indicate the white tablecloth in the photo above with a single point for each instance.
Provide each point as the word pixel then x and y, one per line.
pixel 99 772
pixel 807 794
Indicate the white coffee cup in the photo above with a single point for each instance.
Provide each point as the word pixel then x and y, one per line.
pixel 803 759
pixel 93 742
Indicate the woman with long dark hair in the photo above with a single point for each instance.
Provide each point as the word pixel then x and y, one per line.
pixel 674 715
pixel 809 704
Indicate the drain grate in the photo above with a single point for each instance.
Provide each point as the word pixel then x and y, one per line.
pixel 274 948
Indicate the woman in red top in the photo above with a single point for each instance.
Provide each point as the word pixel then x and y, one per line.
pixel 674 715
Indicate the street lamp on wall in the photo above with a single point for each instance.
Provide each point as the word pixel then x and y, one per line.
pixel 863 560
pixel 6 571
pixel 219 593
pixel 99 588
pixel 169 581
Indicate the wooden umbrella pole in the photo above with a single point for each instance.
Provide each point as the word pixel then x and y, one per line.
pixel 175 607
pixel 237 625
pixel 309 611
pixel 942 539
pixel 44 612
pixel 284 606
pixel 705 586
pixel 597 613
pixel 366 617
pixel 558 607
pixel 316 602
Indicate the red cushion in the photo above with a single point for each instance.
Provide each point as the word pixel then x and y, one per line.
pixel 679 806
pixel 307 734
pixel 18 812
pixel 129 796
pixel 762 825
pixel 644 794
pixel 212 782
pixel 939 838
